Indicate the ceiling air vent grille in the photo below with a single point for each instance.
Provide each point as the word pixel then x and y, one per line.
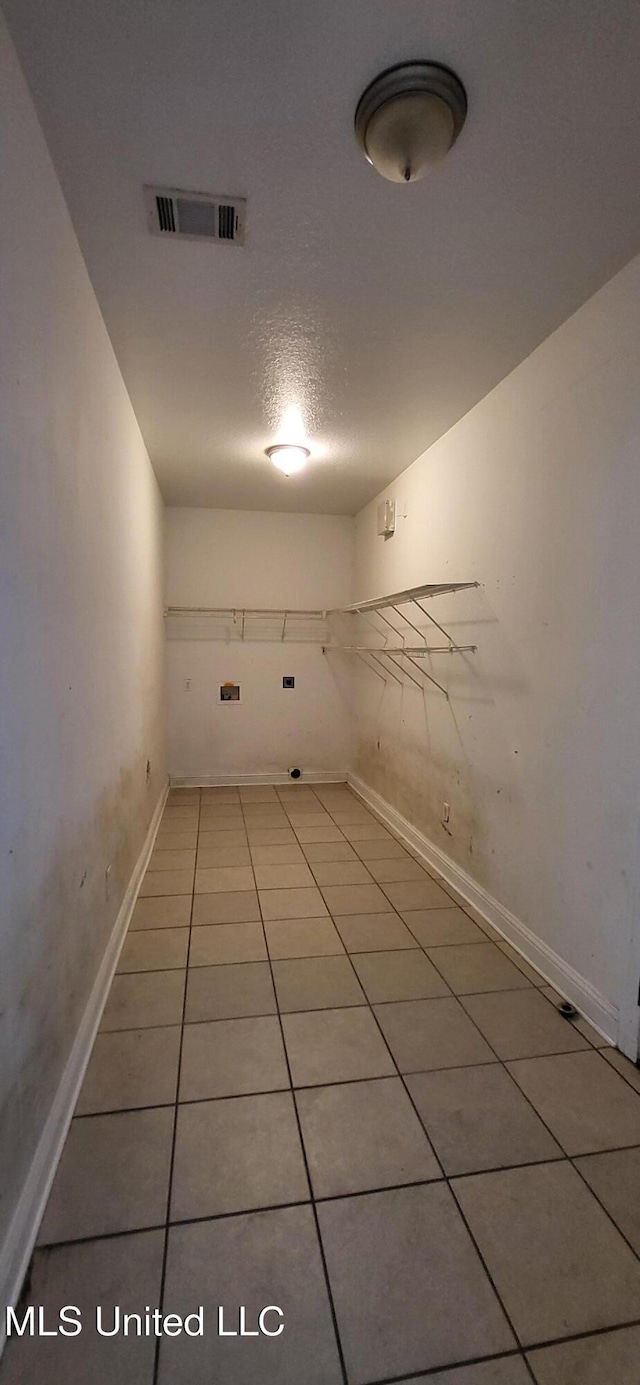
pixel 195 215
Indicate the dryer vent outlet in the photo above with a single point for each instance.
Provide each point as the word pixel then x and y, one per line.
pixel 295 774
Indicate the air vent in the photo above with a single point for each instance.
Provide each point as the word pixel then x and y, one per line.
pixel 195 215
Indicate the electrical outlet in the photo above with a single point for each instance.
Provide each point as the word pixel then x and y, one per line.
pixel 446 812
pixel 187 685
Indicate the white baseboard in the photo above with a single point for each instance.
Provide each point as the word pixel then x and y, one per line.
pixel 215 781
pixel 21 1237
pixel 601 1014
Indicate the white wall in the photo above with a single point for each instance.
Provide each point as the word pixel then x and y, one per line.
pixel 249 558
pixel 536 494
pixel 80 605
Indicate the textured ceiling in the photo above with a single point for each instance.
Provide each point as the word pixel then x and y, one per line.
pixel 382 312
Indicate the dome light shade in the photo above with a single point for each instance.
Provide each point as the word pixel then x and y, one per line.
pixel 408 119
pixel 288 457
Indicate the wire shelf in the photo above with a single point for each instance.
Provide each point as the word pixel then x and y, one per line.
pixel 401 659
pixel 273 625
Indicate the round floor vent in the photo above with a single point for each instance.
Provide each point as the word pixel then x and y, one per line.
pixel 567 1010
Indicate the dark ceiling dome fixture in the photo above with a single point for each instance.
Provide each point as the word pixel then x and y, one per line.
pixel 408 119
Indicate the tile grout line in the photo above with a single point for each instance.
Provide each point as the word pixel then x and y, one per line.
pixel 439 1163
pixel 348 1082
pixel 447 1182
pixel 502 1062
pixel 449 1179
pixel 563 1158
pixel 278 1206
pixel 335 919
pixel 489 935
pixel 358 1194
pixel 608 1214
pixel 456 995
pixel 635 1066
pixel 163 1274
pixel 322 1198
pixel 332 1307
pixel 566 1157
pixel 452 1366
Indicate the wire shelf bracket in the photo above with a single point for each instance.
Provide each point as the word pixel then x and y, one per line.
pixel 403 653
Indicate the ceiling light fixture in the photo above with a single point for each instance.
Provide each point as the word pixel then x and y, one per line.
pixel 289 457
pixel 408 119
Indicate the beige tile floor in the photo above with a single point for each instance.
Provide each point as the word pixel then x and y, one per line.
pixel 319 1083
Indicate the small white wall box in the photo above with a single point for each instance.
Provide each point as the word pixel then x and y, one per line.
pixel 387 517
pixel 288 682
pixel 229 692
